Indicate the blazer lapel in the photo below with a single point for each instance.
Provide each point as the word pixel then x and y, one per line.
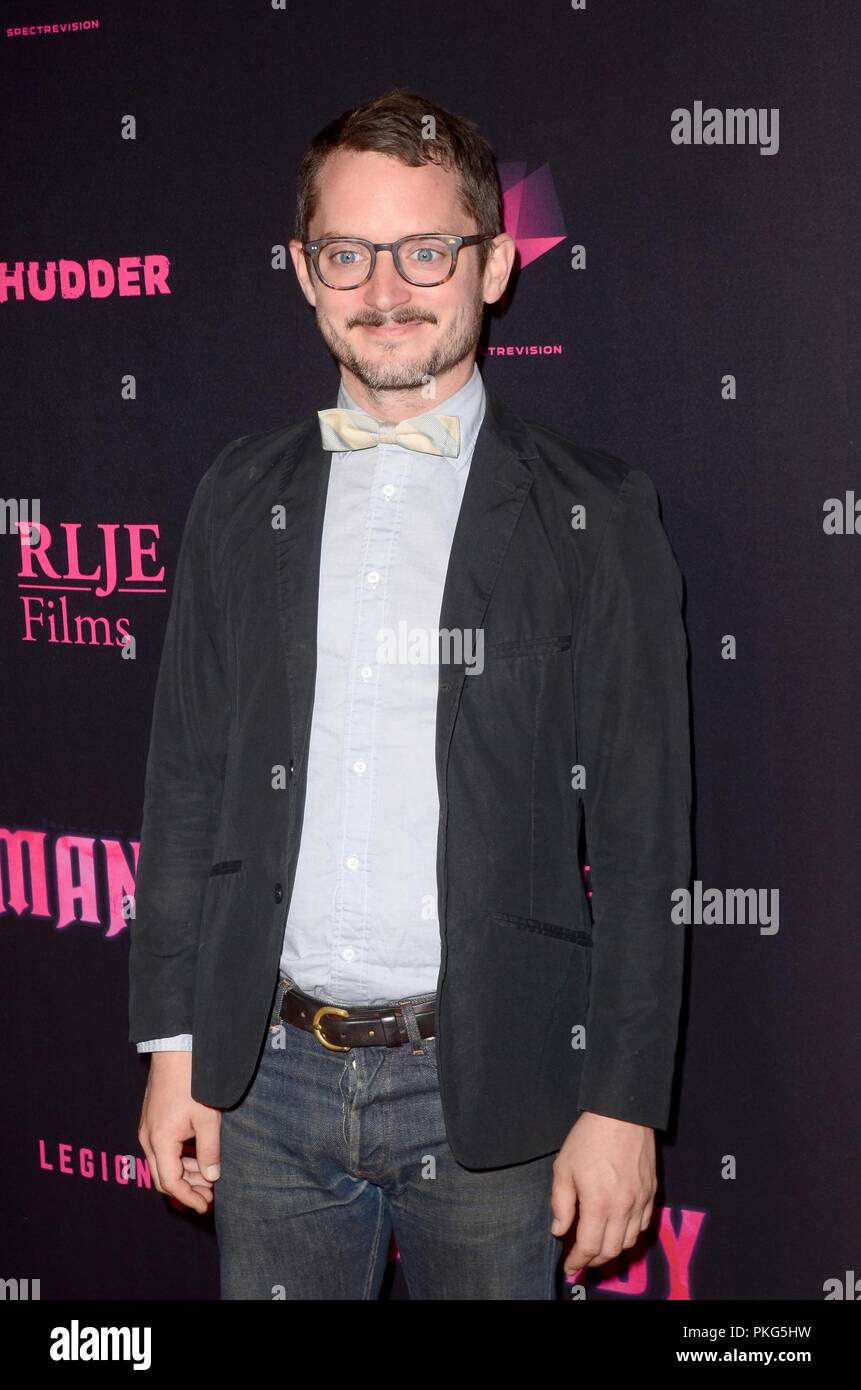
pixel 496 489
pixel 302 490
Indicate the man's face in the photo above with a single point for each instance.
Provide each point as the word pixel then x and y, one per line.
pixel 392 335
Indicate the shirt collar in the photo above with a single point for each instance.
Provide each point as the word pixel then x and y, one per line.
pixel 468 404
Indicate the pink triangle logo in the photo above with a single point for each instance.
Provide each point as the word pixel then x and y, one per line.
pixel 531 210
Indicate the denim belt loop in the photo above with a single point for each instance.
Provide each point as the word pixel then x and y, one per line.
pixel 276 1022
pixel 412 1027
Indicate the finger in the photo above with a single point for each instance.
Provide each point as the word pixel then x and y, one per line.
pixel 153 1163
pixel 197 1180
pixel 200 1184
pixel 170 1166
pixel 614 1240
pixel 205 1198
pixel 207 1193
pixel 633 1231
pixel 191 1165
pixel 207 1142
pixel 563 1203
pixel 588 1241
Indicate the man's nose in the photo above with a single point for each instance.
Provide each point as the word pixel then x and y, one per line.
pixel 386 289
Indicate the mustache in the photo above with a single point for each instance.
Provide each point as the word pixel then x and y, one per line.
pixel 386 323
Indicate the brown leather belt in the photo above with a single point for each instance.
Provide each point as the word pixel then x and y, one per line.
pixel 339 1029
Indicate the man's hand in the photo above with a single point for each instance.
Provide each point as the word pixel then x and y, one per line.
pixel 168 1119
pixel 608 1167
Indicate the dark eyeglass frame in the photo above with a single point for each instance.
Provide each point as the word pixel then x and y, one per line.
pixel 312 251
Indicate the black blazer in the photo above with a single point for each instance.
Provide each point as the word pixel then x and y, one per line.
pixel 585 663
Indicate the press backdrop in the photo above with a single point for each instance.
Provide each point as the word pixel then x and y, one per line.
pixel 691 307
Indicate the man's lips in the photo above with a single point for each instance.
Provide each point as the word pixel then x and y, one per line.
pixel 392 330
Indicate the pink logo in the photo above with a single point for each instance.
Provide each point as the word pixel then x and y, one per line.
pixel 90 880
pixel 62 571
pixel 531 210
pixel 80 1161
pixel 97 280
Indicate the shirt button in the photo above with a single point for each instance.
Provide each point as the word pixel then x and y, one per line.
pixel 360 766
pixel 389 491
pixel 351 863
pixel 348 953
pixel 366 672
pixel 373 577
pixel 278 893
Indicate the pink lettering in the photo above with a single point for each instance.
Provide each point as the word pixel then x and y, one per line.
pixel 679 1248
pixel 70 892
pixel 128 272
pixel 137 551
pixel 635 1283
pixel 155 274
pixel 89 1163
pixel 101 276
pixel 36 564
pixel 73 281
pixel 50 287
pixel 14 844
pixel 38 280
pixel 29 552
pixel 120 868
pixel 121 883
pixel 73 570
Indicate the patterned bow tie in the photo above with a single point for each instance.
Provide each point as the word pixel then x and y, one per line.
pixel 426 434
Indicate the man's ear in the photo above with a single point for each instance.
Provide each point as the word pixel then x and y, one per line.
pixel 300 265
pixel 499 266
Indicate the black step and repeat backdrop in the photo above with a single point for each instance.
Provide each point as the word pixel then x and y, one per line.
pixel 681 178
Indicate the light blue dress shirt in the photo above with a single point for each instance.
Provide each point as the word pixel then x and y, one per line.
pixel 362 927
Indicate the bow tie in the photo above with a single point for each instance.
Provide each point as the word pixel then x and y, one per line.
pixel 426 434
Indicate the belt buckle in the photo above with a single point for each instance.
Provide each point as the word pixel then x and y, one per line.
pixel 315 1025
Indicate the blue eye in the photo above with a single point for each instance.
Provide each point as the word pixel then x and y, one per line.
pixel 344 254
pixel 428 252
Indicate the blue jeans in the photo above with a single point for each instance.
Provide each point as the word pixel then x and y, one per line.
pixel 329 1153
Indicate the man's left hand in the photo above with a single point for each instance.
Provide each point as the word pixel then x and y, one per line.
pixel 607 1168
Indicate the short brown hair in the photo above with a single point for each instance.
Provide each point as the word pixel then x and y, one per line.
pixel 392 124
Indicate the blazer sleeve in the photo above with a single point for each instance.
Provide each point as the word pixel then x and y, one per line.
pixel 631 691
pixel 183 786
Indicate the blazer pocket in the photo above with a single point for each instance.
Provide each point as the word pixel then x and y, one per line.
pixel 528 646
pixel 226 866
pixel 579 938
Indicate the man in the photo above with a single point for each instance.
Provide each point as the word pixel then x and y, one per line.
pixel 416 651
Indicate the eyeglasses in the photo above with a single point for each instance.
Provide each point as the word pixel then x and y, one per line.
pixel 345 263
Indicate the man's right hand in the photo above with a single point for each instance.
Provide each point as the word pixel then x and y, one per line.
pixel 168 1119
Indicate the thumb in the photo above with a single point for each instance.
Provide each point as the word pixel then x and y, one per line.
pixel 208 1150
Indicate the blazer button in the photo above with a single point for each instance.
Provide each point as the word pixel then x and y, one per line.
pixel 278 893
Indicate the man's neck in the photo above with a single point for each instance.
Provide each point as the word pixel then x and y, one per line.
pixel 394 406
